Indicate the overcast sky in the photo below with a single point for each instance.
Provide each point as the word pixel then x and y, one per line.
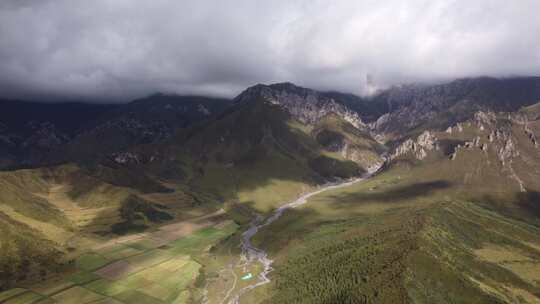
pixel 116 50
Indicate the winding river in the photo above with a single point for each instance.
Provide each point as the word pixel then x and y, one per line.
pixel 251 254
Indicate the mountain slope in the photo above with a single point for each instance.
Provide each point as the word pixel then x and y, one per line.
pixel 414 107
pixel 35 134
pixel 306 105
pixel 258 145
pixel 368 109
pixel 453 218
pixel 143 121
pixel 30 131
pixel 51 215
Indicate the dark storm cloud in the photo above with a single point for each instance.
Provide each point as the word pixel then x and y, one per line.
pixel 121 49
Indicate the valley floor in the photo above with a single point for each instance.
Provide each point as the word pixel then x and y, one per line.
pixel 161 266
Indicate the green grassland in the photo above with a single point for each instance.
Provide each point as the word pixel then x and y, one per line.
pixel 149 274
pixel 50 216
pixel 391 240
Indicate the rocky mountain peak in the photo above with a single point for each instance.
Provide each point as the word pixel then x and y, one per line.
pixel 306 105
pixel 419 147
pixel 442 105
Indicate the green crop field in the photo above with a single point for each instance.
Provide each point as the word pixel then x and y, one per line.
pixel 167 274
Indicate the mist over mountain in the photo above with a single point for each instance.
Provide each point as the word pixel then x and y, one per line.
pixel 116 52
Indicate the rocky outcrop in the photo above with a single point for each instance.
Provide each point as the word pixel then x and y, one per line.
pixel 495 133
pixel 523 120
pixel 365 152
pixel 134 158
pixel 306 105
pixel 531 135
pixel 202 109
pixel 508 150
pixel 506 153
pixel 424 142
pixel 482 119
pixel 411 106
pixel 365 158
pixel 126 158
pixel 380 122
pixel 470 144
pixel 457 128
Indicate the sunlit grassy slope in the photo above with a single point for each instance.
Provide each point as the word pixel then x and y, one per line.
pixel 49 216
pixel 137 270
pixel 401 239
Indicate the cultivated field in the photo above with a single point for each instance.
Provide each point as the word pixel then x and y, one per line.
pixel 152 267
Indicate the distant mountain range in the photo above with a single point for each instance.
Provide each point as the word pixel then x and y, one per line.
pixel 32 134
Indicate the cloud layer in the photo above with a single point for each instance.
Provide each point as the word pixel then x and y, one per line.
pixel 117 50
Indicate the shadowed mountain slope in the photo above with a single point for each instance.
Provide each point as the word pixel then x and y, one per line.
pixel 412 107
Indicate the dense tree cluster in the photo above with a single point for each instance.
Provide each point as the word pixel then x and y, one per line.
pixel 352 270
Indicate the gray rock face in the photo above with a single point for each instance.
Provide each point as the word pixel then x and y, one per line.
pixel 201 108
pixel 126 158
pixel 308 106
pixel 134 158
pixel 443 105
pixel 482 118
pixel 508 150
pixel 531 135
pixel 424 142
pixel 524 121
pixel 497 135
